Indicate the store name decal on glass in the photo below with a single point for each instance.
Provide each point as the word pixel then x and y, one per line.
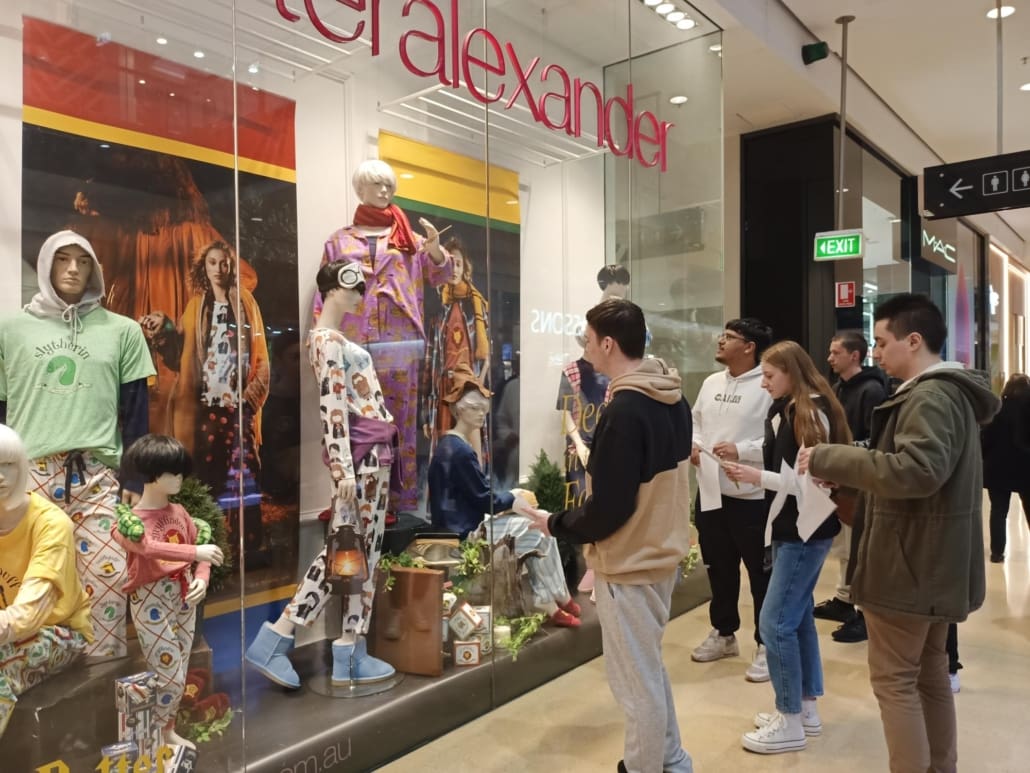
pixel 120 764
pixel 555 322
pixel 639 136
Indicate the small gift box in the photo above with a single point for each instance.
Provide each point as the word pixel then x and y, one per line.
pixel 484 631
pixel 464 620
pixel 135 697
pixel 466 653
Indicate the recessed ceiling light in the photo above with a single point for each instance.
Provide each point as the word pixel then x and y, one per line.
pixel 665 8
pixel 407 176
pixel 679 99
pixel 675 16
pixel 686 24
pixel 651 3
pixel 1025 87
pixel 715 48
pixel 516 201
pixel 162 41
pixel 253 68
pixel 198 54
pixel 258 219
pixel 1006 11
pixel 254 88
pixel 104 145
pixel 142 82
pixel 171 93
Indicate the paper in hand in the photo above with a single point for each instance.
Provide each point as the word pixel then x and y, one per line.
pixel 814 506
pixel 708 483
pixel 788 483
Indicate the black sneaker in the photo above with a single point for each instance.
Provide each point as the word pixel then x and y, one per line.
pixel 852 631
pixel 834 609
pixel 997 558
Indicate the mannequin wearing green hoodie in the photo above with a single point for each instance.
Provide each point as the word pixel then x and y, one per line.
pixel 73 380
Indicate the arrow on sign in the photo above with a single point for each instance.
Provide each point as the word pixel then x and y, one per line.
pixel 954 189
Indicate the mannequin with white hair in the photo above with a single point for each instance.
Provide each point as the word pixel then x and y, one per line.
pixel 396 263
pixel 44 610
pixel 462 500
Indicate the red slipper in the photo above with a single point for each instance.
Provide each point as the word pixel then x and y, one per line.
pixel 563 619
pixel 572 608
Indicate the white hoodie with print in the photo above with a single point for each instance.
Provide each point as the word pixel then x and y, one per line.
pixel 733 409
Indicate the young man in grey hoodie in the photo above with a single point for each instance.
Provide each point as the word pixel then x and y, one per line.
pixel 635 525
pixel 920 561
pixel 73 384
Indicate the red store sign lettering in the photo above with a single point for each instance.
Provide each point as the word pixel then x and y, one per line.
pixel 646 137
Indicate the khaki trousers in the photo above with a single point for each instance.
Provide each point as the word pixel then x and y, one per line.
pixel 908 669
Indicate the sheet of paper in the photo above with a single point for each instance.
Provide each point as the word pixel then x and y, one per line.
pixel 708 483
pixel 814 506
pixel 787 479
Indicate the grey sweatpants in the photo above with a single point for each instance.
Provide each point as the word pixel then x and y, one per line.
pixel 633 619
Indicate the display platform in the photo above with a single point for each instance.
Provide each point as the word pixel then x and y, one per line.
pixel 305 731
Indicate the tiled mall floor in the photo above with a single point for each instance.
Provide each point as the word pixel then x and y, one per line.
pixel 572 724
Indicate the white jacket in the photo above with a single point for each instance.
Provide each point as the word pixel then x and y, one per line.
pixel 733 409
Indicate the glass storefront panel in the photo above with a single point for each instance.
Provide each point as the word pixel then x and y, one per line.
pixel 997 266
pixel 216 156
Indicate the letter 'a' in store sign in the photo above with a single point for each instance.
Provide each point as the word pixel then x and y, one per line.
pixel 845 295
pixel 626 132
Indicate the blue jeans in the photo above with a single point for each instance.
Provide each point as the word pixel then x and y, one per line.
pixel 787 625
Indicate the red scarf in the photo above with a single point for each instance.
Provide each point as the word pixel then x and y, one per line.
pixel 401 236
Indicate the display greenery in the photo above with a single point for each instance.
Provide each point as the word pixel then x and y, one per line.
pixel 196 499
pixel 547 481
pixel 403 559
pixel 522 630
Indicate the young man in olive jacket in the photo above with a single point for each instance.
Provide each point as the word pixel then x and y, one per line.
pixel 635 524
pixel 920 558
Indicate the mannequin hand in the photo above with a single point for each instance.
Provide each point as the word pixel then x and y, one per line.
pixel 726 451
pixel 432 235
pixel 538 519
pixel 211 554
pixel 583 453
pixel 742 473
pixel 196 593
pixel 346 490
pixel 130 525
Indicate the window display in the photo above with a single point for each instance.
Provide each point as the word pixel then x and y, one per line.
pixel 238 189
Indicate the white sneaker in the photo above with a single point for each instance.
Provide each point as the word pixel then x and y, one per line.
pixel 955 685
pixel 715 647
pixel 781 734
pixel 810 721
pixel 758 671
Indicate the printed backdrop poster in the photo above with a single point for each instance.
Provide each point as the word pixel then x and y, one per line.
pixel 149 179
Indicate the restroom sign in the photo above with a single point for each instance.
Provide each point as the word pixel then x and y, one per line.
pixel 845 297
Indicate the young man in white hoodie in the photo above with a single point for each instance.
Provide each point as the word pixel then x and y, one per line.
pixel 729 423
pixel 73 384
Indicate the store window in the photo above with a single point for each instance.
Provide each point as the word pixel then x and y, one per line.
pixel 485 172
pixel 997 308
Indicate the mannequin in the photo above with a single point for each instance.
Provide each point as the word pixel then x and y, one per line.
pixel 396 264
pixel 613 280
pixel 358 437
pixel 580 399
pixel 44 610
pixel 462 501
pixel 163 542
pixel 73 384
pixel 460 336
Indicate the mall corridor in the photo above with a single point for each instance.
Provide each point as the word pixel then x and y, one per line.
pixel 572 725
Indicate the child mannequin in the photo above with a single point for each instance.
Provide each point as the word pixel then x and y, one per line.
pixel 358 449
pixel 160 539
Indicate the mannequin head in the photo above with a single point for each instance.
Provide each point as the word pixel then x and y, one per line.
pixel 375 183
pixel 70 272
pixel 341 283
pixel 471 409
pixel 160 461
pixel 14 471
pixel 613 280
pixel 462 264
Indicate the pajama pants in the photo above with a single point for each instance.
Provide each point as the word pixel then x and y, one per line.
pixel 164 625
pixel 396 365
pixel 26 663
pixel 90 504
pixel 546 575
pixel 368 514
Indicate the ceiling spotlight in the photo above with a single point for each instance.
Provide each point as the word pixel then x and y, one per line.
pixel 104 145
pixel 171 93
pixel 675 16
pixel 679 99
pixel 198 54
pixel 715 48
pixel 1006 11
pixel 407 176
pixel 1025 87
pixel 253 69
pixel 686 24
pixel 142 82
pixel 651 3
pixel 664 8
pixel 513 202
pixel 162 41
pixel 254 88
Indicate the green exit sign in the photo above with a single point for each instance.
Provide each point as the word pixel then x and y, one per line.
pixel 839 245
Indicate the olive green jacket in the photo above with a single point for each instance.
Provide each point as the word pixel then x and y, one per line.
pixel 921 550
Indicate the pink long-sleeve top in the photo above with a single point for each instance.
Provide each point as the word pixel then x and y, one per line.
pixel 168 546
